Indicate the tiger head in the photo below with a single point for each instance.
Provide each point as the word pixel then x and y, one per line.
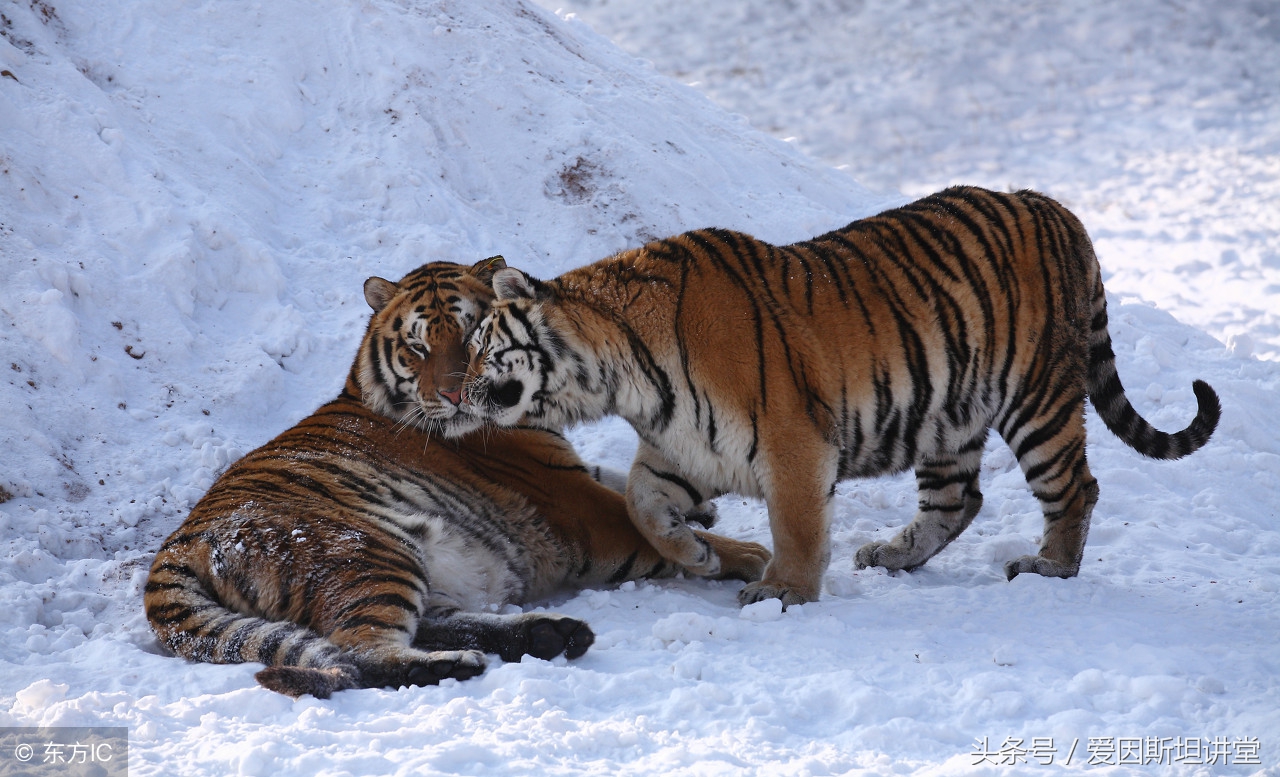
pixel 523 369
pixel 412 361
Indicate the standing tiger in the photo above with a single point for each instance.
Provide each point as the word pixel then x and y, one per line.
pixel 359 549
pixel 775 372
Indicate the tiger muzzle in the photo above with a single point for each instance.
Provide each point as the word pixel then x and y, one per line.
pixel 483 392
pixel 506 394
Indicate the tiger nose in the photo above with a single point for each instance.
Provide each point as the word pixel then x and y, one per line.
pixel 506 395
pixel 454 396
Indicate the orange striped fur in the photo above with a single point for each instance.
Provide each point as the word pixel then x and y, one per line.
pixel 363 548
pixel 893 343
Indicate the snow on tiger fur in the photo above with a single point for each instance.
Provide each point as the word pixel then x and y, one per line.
pixel 363 548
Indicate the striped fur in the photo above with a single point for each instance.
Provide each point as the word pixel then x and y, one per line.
pixel 361 549
pixel 896 342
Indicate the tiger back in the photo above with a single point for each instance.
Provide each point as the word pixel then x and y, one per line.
pixel 364 548
pixel 893 343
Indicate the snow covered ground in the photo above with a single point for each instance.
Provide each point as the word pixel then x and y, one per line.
pixel 191 195
pixel 1154 120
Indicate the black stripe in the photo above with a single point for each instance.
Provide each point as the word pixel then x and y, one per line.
pixel 625 570
pixel 153 586
pixel 675 479
pixel 169 613
pixel 357 621
pixel 232 645
pixel 388 599
pixel 272 642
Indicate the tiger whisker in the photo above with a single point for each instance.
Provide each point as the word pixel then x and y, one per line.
pixel 410 418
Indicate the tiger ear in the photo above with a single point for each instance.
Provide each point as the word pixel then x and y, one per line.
pixel 378 292
pixel 510 283
pixel 485 268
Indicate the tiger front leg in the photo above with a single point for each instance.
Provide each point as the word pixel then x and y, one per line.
pixel 660 501
pixel 799 496
pixel 704 514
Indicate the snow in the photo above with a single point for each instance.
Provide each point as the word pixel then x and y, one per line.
pixel 191 195
pixel 1153 120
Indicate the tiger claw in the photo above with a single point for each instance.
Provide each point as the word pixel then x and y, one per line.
pixel 1040 565
pixel 762 590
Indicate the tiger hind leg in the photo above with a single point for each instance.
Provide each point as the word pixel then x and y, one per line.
pixel 381 666
pixel 949 498
pixel 377 664
pixel 539 634
pixel 1053 461
pixel 374 636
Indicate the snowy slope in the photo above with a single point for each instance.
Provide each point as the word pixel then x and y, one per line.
pixel 1156 121
pixel 191 195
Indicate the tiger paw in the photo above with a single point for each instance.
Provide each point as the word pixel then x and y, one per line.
pixel 441 664
pixel 789 594
pixel 697 551
pixel 739 560
pixel 1041 566
pixel 298 681
pixel 886 555
pixel 547 636
pixel 705 515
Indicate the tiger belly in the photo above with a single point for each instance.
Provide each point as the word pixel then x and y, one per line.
pixel 464 572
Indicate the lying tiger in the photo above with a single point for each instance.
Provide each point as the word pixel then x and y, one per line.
pixel 362 549
pixel 776 372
